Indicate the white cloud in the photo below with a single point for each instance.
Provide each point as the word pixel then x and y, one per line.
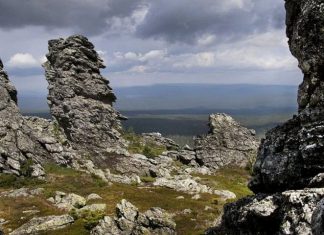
pixel 146 57
pixel 202 59
pixel 206 40
pixel 154 54
pixel 24 60
pixel 228 5
pixel 139 69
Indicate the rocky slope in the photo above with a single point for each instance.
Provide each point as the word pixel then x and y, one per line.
pixel 80 98
pixel 85 136
pixel 228 143
pixel 291 155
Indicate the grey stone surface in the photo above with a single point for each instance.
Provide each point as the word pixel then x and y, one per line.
pixel 289 212
pixel 26 143
pixel 129 221
pixel 293 153
pixel 22 192
pixel 41 224
pixel 80 98
pixel 291 157
pixel 68 201
pixel 160 140
pixel 228 143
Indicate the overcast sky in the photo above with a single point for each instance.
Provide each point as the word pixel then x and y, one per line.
pixel 146 42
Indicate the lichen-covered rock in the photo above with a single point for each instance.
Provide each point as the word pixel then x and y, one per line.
pixel 22 192
pixel 228 143
pixel 293 153
pixel 160 140
pixel 191 185
pixel 130 221
pixel 22 152
pixel 68 201
pixel 289 212
pixel 42 224
pixel 80 98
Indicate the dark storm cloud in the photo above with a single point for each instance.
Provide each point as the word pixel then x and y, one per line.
pixel 185 21
pixel 85 16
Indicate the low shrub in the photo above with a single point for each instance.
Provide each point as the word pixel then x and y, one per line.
pixel 13 181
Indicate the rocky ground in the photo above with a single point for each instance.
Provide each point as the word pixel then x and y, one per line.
pixel 71 202
pixel 74 172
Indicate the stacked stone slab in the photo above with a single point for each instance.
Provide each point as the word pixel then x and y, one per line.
pixel 80 98
pixel 22 150
pixel 228 143
pixel 288 175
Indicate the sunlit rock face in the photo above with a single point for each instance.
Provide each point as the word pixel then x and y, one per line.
pixel 22 150
pixel 293 153
pixel 227 144
pixel 288 174
pixel 80 98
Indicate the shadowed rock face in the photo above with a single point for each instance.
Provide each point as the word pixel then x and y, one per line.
pixel 293 153
pixel 80 98
pixel 228 143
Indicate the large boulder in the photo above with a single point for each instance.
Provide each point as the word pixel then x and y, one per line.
pixel 289 212
pixel 293 153
pixel 129 221
pixel 228 143
pixel 39 225
pixel 80 98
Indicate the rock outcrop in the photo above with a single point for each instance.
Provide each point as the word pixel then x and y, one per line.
pixel 130 221
pixel 289 212
pixel 22 149
pixel 228 143
pixel 80 98
pixel 293 153
pixel 290 161
pixel 160 140
pixel 38 225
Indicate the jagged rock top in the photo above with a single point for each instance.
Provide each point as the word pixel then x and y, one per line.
pixel 75 59
pixel 305 20
pixel 6 84
pixel 228 143
pixel 80 98
pixel 220 121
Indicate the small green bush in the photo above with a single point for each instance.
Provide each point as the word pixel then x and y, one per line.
pixel 89 218
pixel 251 160
pixel 152 150
pixel 13 181
pixel 98 181
pixel 147 179
pixel 137 145
pixel 26 168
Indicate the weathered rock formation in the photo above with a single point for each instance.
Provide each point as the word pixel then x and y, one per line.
pixel 130 221
pixel 39 225
pixel 290 212
pixel 228 143
pixel 160 140
pixel 22 149
pixel 80 98
pixel 291 156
